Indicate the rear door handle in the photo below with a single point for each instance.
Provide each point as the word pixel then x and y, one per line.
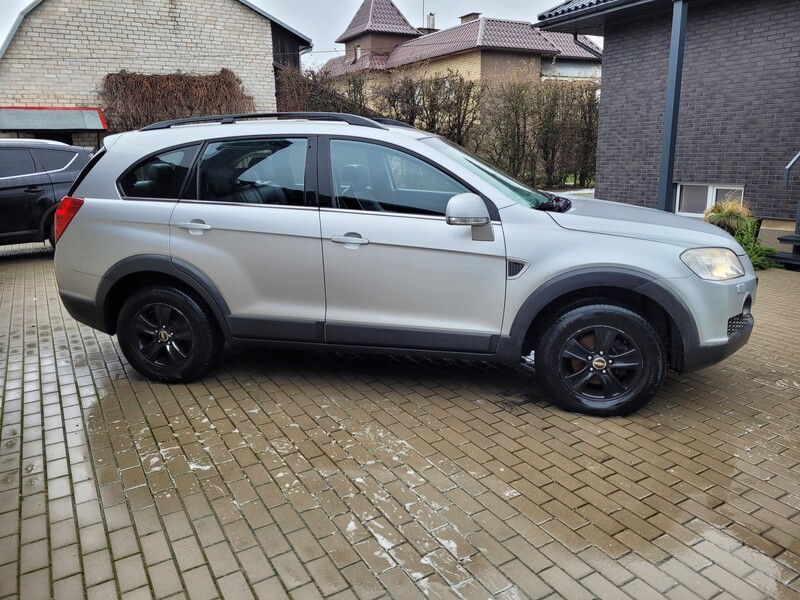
pixel 350 238
pixel 33 190
pixel 195 227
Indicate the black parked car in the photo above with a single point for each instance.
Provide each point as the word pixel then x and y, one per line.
pixel 34 176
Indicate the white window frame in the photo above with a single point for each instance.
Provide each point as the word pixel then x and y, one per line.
pixel 710 198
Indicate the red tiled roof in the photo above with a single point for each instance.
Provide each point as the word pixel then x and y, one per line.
pixel 567 46
pixel 516 36
pixel 377 16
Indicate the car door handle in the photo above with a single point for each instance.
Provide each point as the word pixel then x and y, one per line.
pixel 194 225
pixel 349 238
pixel 33 190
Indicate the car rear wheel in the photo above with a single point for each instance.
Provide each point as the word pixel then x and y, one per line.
pixel 167 335
pixel 601 360
pixel 51 232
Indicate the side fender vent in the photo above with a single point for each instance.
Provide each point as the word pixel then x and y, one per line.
pixel 515 268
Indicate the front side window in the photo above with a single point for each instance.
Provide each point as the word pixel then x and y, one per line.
pixel 377 178
pixel 159 176
pixel 15 162
pixel 255 171
pixel 693 199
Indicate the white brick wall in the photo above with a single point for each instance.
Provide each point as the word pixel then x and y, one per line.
pixel 64 48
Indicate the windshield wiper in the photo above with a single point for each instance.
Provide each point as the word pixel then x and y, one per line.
pixel 554 203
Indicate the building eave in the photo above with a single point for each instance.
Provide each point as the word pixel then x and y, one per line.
pixel 8 35
pixel 591 20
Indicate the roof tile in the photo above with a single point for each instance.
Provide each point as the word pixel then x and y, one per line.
pixel 517 36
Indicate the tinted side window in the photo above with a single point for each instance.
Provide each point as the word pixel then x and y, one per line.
pixel 55 160
pixel 256 171
pixel 160 176
pixel 373 177
pixel 15 162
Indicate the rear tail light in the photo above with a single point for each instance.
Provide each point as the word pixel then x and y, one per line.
pixel 67 209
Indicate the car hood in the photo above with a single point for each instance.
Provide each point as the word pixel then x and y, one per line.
pixel 614 218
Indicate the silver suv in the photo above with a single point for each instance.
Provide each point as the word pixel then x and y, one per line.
pixel 319 230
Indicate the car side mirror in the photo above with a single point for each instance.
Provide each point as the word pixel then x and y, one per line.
pixel 469 209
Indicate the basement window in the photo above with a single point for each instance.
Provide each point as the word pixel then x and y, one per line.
pixel 694 198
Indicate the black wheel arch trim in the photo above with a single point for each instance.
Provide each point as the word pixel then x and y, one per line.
pixel 164 265
pixel 46 217
pixel 630 280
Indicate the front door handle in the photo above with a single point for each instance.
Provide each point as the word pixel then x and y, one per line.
pixel 196 227
pixel 33 190
pixel 349 238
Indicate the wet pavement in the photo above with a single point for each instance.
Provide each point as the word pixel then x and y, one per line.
pixel 306 475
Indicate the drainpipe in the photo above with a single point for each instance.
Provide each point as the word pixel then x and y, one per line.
pixel 666 185
pixel 586 47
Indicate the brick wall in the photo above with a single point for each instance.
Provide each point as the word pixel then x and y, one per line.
pixel 468 64
pixel 740 104
pixel 63 48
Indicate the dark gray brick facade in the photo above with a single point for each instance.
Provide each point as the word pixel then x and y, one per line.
pixel 740 104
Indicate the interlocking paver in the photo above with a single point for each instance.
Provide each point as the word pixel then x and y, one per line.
pixel 311 475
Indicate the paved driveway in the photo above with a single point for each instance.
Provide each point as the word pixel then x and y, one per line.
pixel 306 475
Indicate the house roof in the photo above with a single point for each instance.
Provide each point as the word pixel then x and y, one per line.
pixel 377 16
pixel 18 9
pixel 499 34
pixel 342 65
pixel 590 16
pixel 568 48
pixel 483 33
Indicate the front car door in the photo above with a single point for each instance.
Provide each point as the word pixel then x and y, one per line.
pixel 249 226
pixel 396 274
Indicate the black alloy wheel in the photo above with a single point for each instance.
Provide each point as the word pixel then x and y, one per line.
pixel 601 360
pixel 167 335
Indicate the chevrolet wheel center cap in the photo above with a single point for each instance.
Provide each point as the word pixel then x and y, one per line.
pixel 599 363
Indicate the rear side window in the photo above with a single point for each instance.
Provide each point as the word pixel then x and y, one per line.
pixel 15 162
pixel 254 171
pixel 159 176
pixel 55 160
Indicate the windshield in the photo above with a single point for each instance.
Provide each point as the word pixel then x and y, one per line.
pixel 515 190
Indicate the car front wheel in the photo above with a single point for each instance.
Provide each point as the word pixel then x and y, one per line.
pixel 601 360
pixel 167 335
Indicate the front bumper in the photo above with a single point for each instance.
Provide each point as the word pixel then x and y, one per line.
pixel 698 356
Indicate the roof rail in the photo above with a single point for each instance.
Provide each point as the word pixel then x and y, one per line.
pixel 395 122
pixel 227 119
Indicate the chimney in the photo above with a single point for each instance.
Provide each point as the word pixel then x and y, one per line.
pixel 430 25
pixel 469 17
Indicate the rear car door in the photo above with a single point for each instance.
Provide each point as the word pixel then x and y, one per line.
pixel 250 227
pixel 25 194
pixel 396 274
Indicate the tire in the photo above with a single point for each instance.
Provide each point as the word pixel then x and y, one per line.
pixel 601 360
pixel 168 336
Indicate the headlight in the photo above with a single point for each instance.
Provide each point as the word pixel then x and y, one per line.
pixel 715 264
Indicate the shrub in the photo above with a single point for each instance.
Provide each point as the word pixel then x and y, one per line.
pixel 735 218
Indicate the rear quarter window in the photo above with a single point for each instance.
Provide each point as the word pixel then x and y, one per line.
pixel 159 176
pixel 55 160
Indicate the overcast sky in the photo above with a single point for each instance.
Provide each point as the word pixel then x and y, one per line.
pixel 324 20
